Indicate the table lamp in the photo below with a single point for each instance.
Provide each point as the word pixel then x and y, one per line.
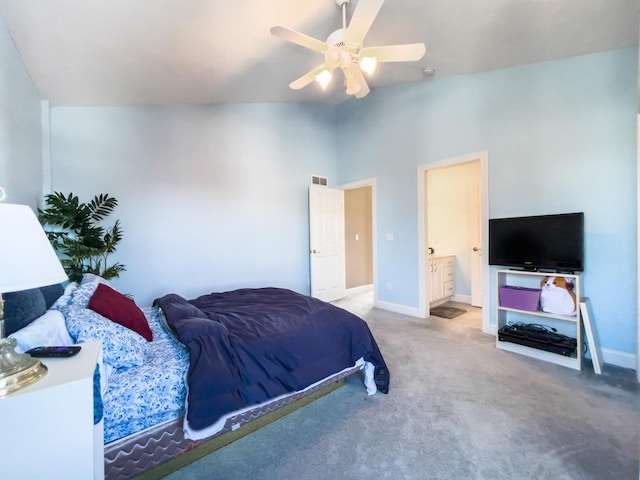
pixel 27 260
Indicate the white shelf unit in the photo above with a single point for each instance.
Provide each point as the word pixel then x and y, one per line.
pixel 570 325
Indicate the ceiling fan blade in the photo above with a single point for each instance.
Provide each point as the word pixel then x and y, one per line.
pixel 299 38
pixel 395 53
pixel 361 21
pixel 309 77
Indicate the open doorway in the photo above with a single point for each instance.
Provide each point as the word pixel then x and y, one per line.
pixel 359 208
pixel 452 209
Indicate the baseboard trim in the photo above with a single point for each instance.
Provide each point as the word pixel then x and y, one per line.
pixel 461 298
pixel 394 307
pixel 616 357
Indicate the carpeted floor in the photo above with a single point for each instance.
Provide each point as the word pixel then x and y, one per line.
pixel 458 409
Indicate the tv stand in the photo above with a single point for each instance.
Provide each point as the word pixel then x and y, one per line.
pixel 570 325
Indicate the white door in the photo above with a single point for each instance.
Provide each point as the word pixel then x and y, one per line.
pixel 326 238
pixel 476 250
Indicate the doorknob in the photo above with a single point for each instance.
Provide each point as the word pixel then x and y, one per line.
pixel 314 251
pixel 476 249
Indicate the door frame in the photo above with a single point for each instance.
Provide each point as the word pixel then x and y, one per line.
pixel 638 260
pixel 369 182
pixel 423 304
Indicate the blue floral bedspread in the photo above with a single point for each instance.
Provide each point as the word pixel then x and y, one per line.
pixel 143 396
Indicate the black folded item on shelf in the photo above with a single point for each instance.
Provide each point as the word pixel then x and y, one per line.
pixel 538 336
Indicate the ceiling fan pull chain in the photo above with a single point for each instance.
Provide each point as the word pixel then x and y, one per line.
pixel 344 14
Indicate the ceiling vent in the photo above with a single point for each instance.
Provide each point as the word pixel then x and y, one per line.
pixel 315 180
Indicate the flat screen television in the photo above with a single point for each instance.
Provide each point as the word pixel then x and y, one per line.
pixel 541 242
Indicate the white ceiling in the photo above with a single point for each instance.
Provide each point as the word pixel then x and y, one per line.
pixel 160 52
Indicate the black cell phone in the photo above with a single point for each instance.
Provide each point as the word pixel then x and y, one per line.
pixel 54 351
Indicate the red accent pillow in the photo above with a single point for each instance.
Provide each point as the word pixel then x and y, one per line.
pixel 120 309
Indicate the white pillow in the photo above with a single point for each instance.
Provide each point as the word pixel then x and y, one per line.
pixel 50 330
pixel 47 330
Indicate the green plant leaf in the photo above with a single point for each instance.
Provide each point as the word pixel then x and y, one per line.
pixel 82 243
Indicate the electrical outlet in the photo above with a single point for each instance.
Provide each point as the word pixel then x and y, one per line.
pixel 388 285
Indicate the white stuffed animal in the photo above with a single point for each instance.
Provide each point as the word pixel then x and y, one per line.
pixel 557 296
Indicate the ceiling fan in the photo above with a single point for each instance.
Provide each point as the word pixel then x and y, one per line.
pixel 345 49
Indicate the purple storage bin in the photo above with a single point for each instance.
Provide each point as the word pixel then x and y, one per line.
pixel 520 297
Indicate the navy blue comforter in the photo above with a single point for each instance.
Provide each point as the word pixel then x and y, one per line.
pixel 250 345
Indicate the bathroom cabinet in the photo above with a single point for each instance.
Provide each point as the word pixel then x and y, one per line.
pixel 441 279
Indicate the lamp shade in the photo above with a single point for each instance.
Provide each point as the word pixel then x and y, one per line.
pixel 27 259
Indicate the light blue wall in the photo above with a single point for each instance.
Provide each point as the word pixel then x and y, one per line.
pixel 561 137
pixel 20 135
pixel 211 198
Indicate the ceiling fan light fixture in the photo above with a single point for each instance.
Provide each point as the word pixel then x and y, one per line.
pixel 353 87
pixel 369 65
pixel 350 82
pixel 323 78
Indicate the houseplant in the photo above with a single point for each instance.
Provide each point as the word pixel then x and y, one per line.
pixel 77 235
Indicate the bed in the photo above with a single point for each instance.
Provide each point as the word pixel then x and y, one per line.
pixel 182 374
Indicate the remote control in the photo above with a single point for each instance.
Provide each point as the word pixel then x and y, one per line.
pixel 54 351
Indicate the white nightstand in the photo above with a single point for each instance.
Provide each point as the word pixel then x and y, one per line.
pixel 47 427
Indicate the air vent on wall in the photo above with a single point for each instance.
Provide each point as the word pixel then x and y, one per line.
pixel 315 180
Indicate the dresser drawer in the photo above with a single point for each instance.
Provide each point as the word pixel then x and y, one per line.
pixel 448 288
pixel 448 273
